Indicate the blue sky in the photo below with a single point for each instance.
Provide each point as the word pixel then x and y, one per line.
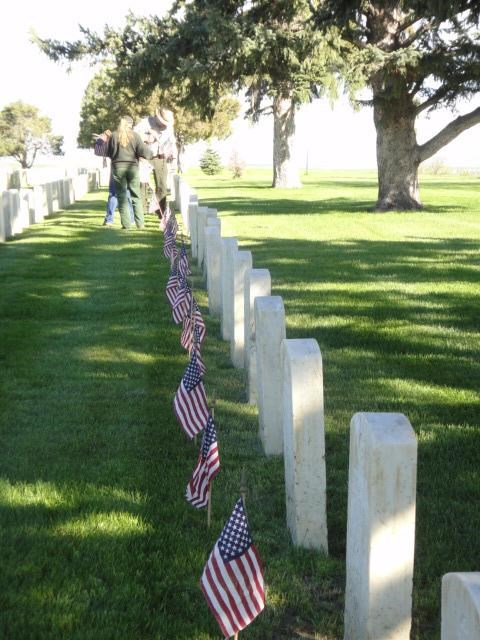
pixel 326 137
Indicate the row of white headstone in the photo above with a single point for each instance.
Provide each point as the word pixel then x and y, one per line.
pixel 20 208
pixel 285 380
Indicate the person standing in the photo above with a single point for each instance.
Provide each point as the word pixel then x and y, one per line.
pixel 124 148
pixel 112 203
pixel 158 133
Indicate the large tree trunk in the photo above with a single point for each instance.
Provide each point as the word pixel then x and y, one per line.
pixel 285 171
pixel 397 155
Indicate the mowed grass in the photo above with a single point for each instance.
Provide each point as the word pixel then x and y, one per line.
pixel 393 301
pixel 97 540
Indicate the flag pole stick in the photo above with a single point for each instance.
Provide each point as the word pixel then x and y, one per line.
pixel 209 507
pixel 209 504
pixel 243 487
pixel 192 320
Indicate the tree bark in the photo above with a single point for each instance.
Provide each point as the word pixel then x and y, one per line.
pixel 397 155
pixel 285 171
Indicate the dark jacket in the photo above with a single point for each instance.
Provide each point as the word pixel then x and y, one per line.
pixel 134 150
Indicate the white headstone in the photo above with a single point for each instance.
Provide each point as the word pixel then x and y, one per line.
pixel 193 219
pixel 204 214
pixel 201 215
pixel 4 202
pixel 269 333
pixel 213 250
pixel 26 207
pixel 211 221
pixel 257 283
pixel 192 199
pixel 380 527
pixel 176 191
pixel 8 217
pixel 56 204
pixel 241 263
pixel 40 202
pixel 184 203
pixel 80 186
pixel 304 444
pixel 15 212
pixel 60 194
pixel 461 606
pixel 229 248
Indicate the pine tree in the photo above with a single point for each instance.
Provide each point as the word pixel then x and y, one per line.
pixel 415 56
pixel 210 162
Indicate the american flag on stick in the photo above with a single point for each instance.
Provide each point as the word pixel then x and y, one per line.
pixel 194 329
pixel 208 465
pixel 169 248
pixel 182 302
pixel 232 580
pixel 172 284
pixel 190 402
pixel 183 266
pixel 171 224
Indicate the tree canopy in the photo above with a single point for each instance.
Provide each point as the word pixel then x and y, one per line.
pixel 272 51
pixel 24 133
pixel 414 55
pixel 106 100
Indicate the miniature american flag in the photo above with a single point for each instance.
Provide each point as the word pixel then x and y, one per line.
pixel 183 266
pixel 190 402
pixel 183 301
pixel 172 284
pixel 208 465
pixel 171 223
pixel 169 245
pixel 232 580
pixel 194 330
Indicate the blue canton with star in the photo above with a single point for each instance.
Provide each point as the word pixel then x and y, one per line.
pixel 192 375
pixel 235 538
pixel 209 437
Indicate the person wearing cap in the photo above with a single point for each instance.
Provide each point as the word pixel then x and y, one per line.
pixel 124 148
pixel 157 132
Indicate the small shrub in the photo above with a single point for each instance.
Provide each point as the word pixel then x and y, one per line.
pixel 210 162
pixel 236 165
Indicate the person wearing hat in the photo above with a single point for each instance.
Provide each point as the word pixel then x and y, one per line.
pixel 157 132
pixel 124 148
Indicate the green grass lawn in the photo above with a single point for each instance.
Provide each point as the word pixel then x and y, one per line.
pixel 97 540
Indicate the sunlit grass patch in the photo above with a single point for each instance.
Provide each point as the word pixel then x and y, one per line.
pixel 96 538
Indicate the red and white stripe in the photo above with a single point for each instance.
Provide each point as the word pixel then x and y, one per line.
pixel 234 589
pixel 191 408
pixel 198 488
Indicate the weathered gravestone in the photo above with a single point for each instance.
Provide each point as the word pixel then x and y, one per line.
pixel 213 249
pixel 241 263
pixel 257 283
pixel 211 222
pixel 229 248
pixel 304 444
pixel 380 527
pixel 461 606
pixel 270 331
pixel 193 218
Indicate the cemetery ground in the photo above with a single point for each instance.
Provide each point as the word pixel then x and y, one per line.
pixel 96 539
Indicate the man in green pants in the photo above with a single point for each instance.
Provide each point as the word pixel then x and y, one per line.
pixel 157 132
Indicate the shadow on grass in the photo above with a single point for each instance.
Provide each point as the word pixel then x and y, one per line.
pixel 99 540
